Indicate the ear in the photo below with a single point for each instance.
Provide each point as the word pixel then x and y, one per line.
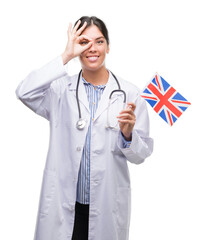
pixel 107 50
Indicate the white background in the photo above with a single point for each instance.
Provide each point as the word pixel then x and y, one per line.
pixel 169 199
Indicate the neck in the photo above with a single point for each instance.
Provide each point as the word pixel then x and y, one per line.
pixel 98 77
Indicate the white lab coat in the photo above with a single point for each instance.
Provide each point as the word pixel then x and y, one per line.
pixel 50 92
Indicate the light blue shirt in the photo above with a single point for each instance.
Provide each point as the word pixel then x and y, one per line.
pixel 94 94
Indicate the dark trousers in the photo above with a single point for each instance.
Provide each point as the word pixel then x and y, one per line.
pixel 80 230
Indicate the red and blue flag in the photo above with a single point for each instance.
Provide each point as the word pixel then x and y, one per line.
pixel 165 100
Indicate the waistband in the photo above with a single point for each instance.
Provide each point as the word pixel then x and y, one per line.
pixel 82 208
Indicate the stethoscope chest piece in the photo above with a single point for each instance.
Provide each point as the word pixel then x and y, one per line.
pixel 81 123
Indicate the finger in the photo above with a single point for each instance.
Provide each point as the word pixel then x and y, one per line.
pixel 69 30
pixel 131 122
pixel 76 26
pixel 130 108
pixel 127 119
pixel 127 110
pixel 88 45
pixel 126 116
pixel 80 30
pixel 84 37
pixel 131 105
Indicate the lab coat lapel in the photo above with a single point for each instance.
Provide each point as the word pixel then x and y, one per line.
pixel 104 101
pixel 81 92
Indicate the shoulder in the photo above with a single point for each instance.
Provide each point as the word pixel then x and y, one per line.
pixel 59 85
pixel 126 84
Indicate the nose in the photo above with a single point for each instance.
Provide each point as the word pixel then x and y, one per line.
pixel 92 47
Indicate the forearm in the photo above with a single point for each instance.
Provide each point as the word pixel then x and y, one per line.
pixel 66 58
pixel 34 91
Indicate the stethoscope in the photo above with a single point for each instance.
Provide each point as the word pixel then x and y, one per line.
pixel 81 123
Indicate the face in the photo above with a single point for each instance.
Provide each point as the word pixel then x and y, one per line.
pixel 94 57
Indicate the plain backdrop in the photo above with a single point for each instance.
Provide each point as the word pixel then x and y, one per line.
pixel 169 199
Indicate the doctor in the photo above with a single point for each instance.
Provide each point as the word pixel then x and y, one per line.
pixel 86 190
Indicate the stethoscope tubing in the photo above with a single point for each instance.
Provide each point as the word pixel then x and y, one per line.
pixel 81 122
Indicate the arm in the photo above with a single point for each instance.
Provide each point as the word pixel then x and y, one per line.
pixel 141 145
pixel 34 91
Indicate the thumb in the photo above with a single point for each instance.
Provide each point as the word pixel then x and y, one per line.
pixel 131 105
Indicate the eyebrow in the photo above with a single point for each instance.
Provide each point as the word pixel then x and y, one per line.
pixel 99 38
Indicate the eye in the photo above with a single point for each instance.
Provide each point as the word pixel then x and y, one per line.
pixel 83 42
pixel 100 42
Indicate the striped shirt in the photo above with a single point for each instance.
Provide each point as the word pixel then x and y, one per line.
pixel 94 94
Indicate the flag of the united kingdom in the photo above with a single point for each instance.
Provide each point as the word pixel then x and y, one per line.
pixel 165 100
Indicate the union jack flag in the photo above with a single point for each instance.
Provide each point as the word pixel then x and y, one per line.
pixel 165 100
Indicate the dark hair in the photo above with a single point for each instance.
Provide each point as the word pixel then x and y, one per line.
pixel 95 21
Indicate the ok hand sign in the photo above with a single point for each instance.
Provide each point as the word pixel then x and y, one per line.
pixel 73 47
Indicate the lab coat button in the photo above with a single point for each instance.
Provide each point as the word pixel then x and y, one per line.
pixel 96 182
pixel 70 207
pixel 97 151
pixel 78 149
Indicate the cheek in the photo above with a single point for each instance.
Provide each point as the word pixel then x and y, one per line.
pixel 103 52
pixel 81 58
pixel 81 55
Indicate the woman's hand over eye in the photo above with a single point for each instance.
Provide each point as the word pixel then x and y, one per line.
pixel 76 43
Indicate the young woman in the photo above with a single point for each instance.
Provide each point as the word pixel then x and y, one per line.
pixel 86 190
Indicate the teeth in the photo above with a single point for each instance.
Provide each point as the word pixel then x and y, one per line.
pixel 92 58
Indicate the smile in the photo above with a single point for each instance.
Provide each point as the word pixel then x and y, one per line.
pixel 92 58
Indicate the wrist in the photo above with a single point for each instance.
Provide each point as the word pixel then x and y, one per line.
pixel 66 57
pixel 127 137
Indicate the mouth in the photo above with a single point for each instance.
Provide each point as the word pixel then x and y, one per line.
pixel 92 58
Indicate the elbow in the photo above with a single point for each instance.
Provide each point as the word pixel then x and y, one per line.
pixel 18 92
pixel 18 95
pixel 137 160
pixel 139 157
pixel 147 148
pixel 22 95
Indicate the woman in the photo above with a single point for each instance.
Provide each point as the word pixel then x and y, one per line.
pixel 86 184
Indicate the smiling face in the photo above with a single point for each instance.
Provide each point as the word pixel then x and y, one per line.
pixel 94 58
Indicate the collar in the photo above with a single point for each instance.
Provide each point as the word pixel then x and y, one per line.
pixel 72 82
pixel 97 86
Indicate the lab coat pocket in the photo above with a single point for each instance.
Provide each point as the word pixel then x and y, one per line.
pixel 47 192
pixel 115 140
pixel 123 207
